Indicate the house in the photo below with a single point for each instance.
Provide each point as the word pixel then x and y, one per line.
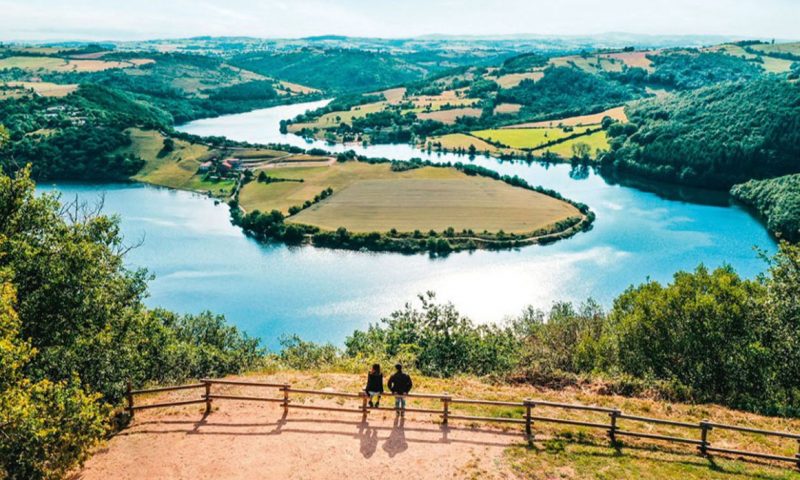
pixel 205 166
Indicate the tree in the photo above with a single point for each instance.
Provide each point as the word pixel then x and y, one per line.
pixel 581 151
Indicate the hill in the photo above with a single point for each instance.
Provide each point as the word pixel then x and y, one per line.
pixel 713 137
pixel 334 70
pixel 777 200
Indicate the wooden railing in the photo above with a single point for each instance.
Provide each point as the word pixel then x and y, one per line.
pixel 528 418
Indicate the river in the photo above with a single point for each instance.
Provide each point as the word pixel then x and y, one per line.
pixel 200 261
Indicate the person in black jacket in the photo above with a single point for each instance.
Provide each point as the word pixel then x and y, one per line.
pixel 400 384
pixel 374 386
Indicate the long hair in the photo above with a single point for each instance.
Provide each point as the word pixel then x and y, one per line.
pixel 376 369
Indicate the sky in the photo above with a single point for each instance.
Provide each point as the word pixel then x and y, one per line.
pixel 149 19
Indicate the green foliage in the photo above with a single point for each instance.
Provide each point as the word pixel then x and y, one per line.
pixel 712 137
pixel 777 200
pixel 565 91
pixel 445 342
pixel 302 355
pixel 256 90
pixel 692 70
pixel 522 63
pixel 46 428
pixel 334 70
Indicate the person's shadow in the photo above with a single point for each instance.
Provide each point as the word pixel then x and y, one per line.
pixel 396 443
pixel 369 439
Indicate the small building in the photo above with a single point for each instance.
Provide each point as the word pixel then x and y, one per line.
pixel 205 166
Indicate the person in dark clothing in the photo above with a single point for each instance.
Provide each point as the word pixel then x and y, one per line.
pixel 400 384
pixel 374 386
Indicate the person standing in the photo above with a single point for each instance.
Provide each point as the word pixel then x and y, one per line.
pixel 374 386
pixel 400 384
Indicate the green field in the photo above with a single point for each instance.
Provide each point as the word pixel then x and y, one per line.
pixel 527 138
pixel 177 169
pixel 455 141
pixel 596 141
pixel 370 198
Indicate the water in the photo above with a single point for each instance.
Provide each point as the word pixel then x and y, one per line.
pixel 202 262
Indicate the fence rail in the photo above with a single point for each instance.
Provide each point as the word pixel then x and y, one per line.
pixel 612 428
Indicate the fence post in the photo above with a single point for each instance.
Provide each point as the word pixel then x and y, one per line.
pixel 285 389
pixel 529 404
pixel 798 453
pixel 446 408
pixel 129 394
pixel 364 397
pixel 207 396
pixel 704 429
pixel 612 432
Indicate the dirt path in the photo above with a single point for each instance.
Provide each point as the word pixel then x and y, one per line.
pixel 254 441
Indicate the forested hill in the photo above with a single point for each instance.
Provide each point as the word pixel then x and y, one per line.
pixel 712 137
pixel 777 200
pixel 335 70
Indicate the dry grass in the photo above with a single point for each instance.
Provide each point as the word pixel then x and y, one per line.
pixel 426 204
pixel 394 95
pixel 605 62
pixel 45 89
pixel 63 65
pixel 511 80
pixel 617 113
pixel 450 116
pixel 507 108
pixel 455 141
pixel 296 88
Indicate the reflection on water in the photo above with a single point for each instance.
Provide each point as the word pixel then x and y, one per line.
pixel 202 262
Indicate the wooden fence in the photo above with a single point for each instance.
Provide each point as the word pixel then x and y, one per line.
pixel 613 428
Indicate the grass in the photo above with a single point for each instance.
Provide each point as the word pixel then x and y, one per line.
pixel 45 89
pixel 605 62
pixel 409 204
pixel 449 116
pixel 527 138
pixel 63 65
pixel 178 169
pixel 371 198
pixel 513 79
pixel 455 141
pixel 596 141
pixel 617 113
pixel 509 108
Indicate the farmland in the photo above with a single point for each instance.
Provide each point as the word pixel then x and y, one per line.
pixel 45 89
pixel 595 141
pixel 371 198
pixel 449 117
pixel 55 64
pixel 528 138
pixel 617 113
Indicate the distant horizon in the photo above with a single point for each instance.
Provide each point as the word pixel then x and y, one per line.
pixel 432 36
pixel 137 20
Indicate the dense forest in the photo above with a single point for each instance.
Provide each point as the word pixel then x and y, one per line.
pixel 334 70
pixel 712 137
pixel 565 91
pixel 777 200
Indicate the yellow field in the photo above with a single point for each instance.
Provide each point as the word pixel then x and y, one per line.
pixel 63 65
pixel 454 141
pixel 45 89
pixel 448 97
pixel 296 88
pixel 596 141
pixel 394 95
pixel 175 170
pixel 513 79
pixel 792 47
pixel 430 199
pixel 770 64
pixel 617 113
pixel 527 137
pixel 449 116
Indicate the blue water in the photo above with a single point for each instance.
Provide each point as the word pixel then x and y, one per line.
pixel 201 261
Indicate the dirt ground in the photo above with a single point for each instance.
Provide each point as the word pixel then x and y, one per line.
pixel 241 440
